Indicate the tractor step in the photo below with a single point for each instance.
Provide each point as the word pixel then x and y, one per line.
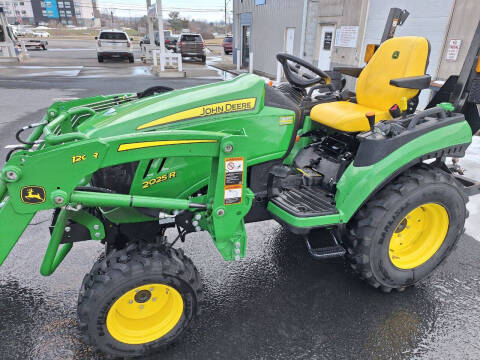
pixel 323 252
pixel 470 187
pixel 306 201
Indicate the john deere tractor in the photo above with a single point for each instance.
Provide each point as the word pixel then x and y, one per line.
pixel 365 167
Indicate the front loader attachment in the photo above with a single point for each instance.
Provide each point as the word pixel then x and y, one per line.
pixel 12 225
pixel 54 173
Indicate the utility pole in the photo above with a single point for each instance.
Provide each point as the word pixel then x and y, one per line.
pixel 151 33
pixel 161 37
pixel 111 13
pixel 96 13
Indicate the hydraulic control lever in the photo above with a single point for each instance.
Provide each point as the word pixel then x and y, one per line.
pixel 371 119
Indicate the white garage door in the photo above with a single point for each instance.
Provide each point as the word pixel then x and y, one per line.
pixel 428 18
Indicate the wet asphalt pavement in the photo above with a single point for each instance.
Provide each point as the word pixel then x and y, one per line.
pixel 278 303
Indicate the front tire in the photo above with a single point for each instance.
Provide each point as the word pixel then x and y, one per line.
pixel 408 229
pixel 138 299
pixel 100 58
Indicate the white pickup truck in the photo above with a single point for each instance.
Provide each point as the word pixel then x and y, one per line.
pixel 36 44
pixel 29 43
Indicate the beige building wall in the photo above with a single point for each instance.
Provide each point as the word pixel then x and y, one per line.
pixel 342 13
pixel 463 23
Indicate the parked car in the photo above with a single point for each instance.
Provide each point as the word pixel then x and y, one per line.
pixel 170 40
pixel 146 39
pixel 227 45
pixel 31 44
pixel 23 32
pixel 192 45
pixel 43 34
pixel 114 44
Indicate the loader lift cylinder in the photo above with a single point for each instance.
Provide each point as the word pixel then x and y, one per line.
pixel 117 200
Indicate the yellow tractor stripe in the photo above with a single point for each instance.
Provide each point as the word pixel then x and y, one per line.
pixel 148 144
pixel 205 110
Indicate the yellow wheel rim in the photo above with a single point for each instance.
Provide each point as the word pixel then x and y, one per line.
pixel 418 236
pixel 145 314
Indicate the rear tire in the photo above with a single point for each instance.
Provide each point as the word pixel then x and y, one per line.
pixel 100 58
pixel 127 284
pixel 376 250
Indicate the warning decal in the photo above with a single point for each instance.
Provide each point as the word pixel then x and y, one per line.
pixel 233 195
pixel 233 180
pixel 233 171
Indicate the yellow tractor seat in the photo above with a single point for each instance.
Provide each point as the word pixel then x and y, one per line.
pixel 400 58
pixel 346 116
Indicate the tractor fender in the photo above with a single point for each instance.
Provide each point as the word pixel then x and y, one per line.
pixel 403 169
pixel 358 184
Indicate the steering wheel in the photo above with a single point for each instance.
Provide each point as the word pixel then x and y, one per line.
pixel 296 77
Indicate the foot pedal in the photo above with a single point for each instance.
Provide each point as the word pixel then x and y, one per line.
pixel 325 252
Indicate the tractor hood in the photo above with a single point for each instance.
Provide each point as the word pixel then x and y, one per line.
pixel 184 108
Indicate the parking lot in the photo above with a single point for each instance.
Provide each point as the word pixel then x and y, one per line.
pixel 278 303
pixel 78 57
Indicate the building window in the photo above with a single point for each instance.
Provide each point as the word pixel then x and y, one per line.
pixel 69 13
pixel 44 12
pixel 62 13
pixel 70 22
pixel 21 3
pixel 78 12
pixel 42 4
pixel 48 4
pixel 24 12
pixel 67 5
pixel 60 5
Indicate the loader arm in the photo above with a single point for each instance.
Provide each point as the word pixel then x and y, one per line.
pixel 46 178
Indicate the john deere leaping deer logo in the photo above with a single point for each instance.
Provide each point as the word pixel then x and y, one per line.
pixel 33 194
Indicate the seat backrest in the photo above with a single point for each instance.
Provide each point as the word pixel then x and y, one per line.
pixel 396 58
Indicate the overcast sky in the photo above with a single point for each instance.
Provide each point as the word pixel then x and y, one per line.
pixel 210 10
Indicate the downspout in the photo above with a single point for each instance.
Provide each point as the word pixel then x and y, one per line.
pixel 304 29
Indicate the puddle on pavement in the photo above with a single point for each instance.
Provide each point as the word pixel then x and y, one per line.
pixel 222 74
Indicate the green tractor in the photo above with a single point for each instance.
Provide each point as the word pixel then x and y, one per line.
pixel 364 168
